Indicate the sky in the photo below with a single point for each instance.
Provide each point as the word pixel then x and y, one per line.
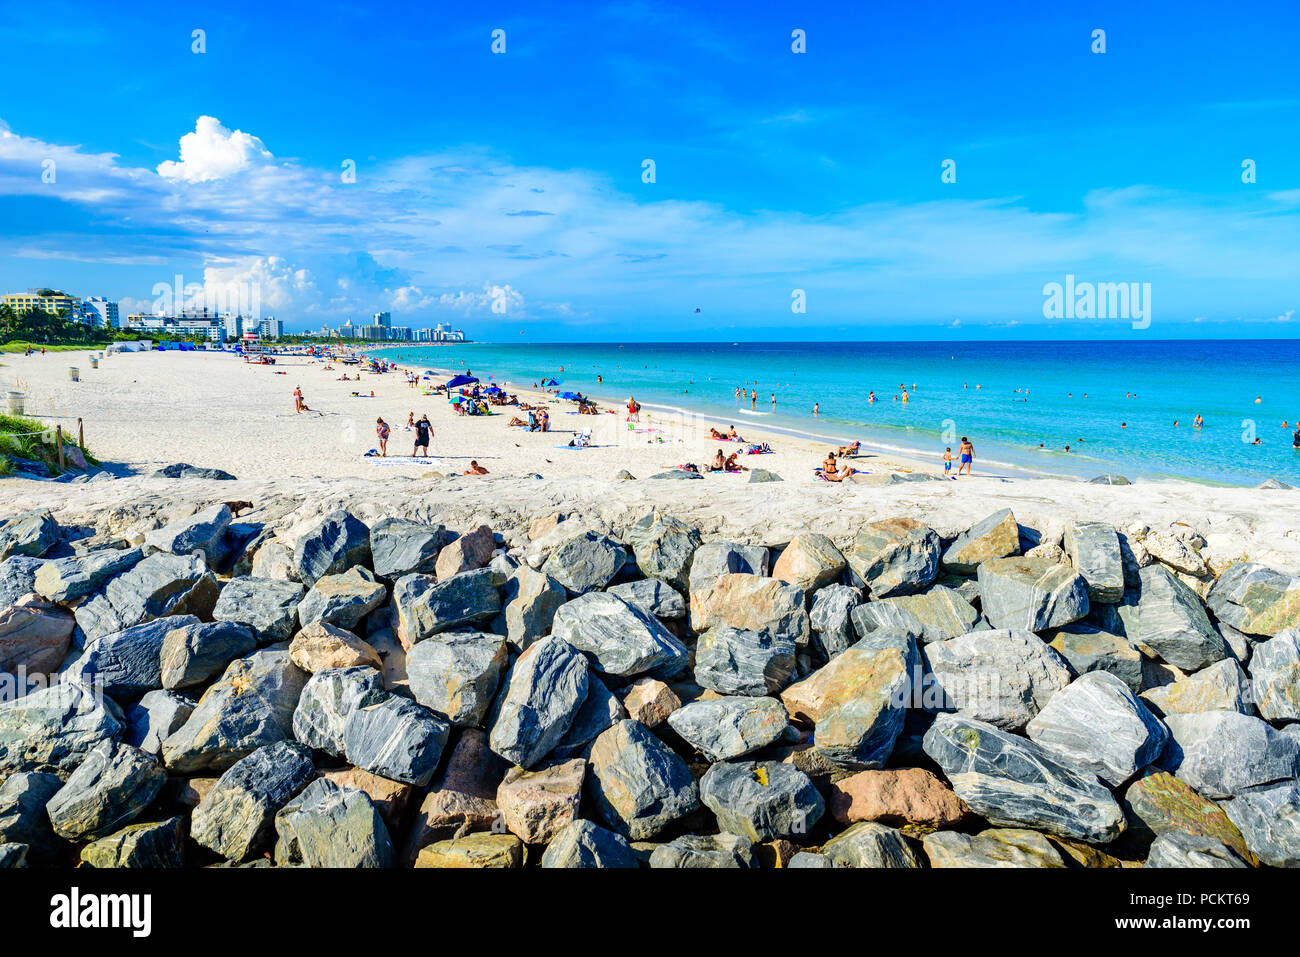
pixel 322 162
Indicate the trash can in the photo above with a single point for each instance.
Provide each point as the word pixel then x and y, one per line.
pixel 14 402
pixel 94 362
pixel 74 374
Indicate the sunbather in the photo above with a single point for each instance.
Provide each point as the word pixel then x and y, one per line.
pixel 840 476
pixel 719 462
pixel 733 465
pixel 475 469
pixel 849 449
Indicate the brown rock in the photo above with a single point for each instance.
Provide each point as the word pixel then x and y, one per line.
pixel 185 792
pixel 897 797
pixel 34 635
pixel 776 853
pixel 651 702
pixel 391 798
pixel 462 798
pixel 537 805
pixel 472 550
pixel 474 850
pixel 809 561
pixel 320 646
pixel 539 528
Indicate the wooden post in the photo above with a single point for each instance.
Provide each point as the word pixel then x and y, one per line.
pixel 58 440
pixel 81 435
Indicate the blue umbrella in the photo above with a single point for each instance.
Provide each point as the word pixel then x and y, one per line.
pixel 568 395
pixel 547 383
pixel 461 380
pixel 493 388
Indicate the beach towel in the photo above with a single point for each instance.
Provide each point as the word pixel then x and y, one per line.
pixel 423 461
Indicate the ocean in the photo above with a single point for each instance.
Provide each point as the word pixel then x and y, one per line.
pixel 1113 403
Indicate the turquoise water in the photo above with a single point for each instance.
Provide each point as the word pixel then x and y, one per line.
pixel 1074 393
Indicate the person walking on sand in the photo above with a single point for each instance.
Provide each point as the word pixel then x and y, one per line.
pixel 297 398
pixel 947 462
pixel 967 456
pixel 633 409
pixel 382 430
pixel 423 432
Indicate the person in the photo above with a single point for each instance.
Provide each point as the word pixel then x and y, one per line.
pixel 828 464
pixel 297 398
pixel 716 435
pixel 967 454
pixel 947 460
pixel 851 449
pixel 773 401
pixel 734 435
pixel 733 465
pixel 475 469
pixel 872 398
pixel 633 409
pixel 1198 421
pixel 546 421
pixel 816 407
pixel 382 430
pixel 840 476
pixel 719 462
pixel 753 399
pixel 410 421
pixel 1295 439
pixel 904 395
pixel 423 432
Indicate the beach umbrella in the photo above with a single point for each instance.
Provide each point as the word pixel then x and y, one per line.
pixel 457 400
pixel 568 395
pixel 547 383
pixel 461 380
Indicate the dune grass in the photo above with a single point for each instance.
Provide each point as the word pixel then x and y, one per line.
pixel 67 347
pixel 17 439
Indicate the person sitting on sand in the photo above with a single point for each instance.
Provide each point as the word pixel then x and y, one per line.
pixel 475 469
pixel 840 476
pixel 423 432
pixel 849 449
pixel 410 421
pixel 829 464
pixel 719 462
pixel 734 466
pixel 734 435
pixel 382 430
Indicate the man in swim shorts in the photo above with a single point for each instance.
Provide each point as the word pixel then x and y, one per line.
pixel 967 455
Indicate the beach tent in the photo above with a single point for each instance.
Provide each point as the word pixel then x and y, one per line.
pixel 568 395
pixel 493 388
pixel 461 380
pixel 550 383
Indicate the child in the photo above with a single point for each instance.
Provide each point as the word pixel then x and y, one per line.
pixel 947 462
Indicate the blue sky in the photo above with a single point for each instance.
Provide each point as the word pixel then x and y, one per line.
pixel 516 178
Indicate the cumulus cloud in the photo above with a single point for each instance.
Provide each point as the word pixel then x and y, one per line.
pixel 213 152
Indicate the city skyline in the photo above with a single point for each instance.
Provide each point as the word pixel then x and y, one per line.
pixel 508 192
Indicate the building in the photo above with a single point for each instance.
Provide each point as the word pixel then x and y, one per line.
pixel 212 328
pixel 347 330
pixel 374 332
pixel 50 301
pixel 234 326
pixel 383 319
pixel 104 311
pixel 399 334
pixel 270 328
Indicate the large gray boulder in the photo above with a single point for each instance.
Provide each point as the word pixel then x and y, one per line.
pixel 31 534
pixel 870 844
pixel 663 548
pixel 1093 548
pixel 53 729
pixel 1182 850
pixel 761 800
pixel 543 692
pixel 585 844
pixel 328 700
pixel 734 662
pixel 1220 687
pixel 1269 820
pixel 937 614
pixel 1031 594
pixel 1167 616
pixel 156 587
pixel 342 600
pixel 267 605
pixel 997 536
pixel 200 534
pixel 250 706
pixel 1088 648
pixel 831 618
pixel 423 606
pixel 1275 676
pixel 194 652
pixel 1256 599
pixel 18 577
pixel 397 739
pixel 23 820
pixel 653 597
pixel 235 816
pixel 1015 782
pixel 336 543
pixel 1098 725
pixel 729 727
pixel 586 562
pixel 128 663
pixel 107 791
pixel 457 674
pixel 599 711
pixel 715 559
pixel 994 847
pixel 1002 677
pixel 1220 753
pixel 751 603
pixel 619 640
pixel 400 547
pixel 529 600
pixel 66 580
pixel 705 852
pixel 146 844
pixel 898 556
pixel 153 718
pixel 331 826
pixel 638 785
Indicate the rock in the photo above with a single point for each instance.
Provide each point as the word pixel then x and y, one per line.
pixel 751 603
pixel 474 850
pixel 1180 849
pixel 868 844
pixel 153 718
pixel 193 652
pixel 250 706
pixel 1256 599
pixel 53 729
pixel 583 844
pixel 706 851
pixel 34 636
pixel 274 559
pixel 677 474
pixel 730 661
pixel 807 859
pixel 184 470
pixel 1030 594
pixel 624 475
pixel 1002 677
pixel 1167 617
pixel 66 580
pixel 651 702
pixel 31 534
pixel 202 534
pixel 336 543
pixel 342 600
pixel 1094 552
pixel 396 738
pixel 1220 687
pixel 390 798
pixel 331 826
pixel 935 615
pixel 995 847
pixel 18 578
pixel 468 552
pixel 267 605
pixel 1269 820
pixel 107 791
pixel 544 690
pixel 23 820
pixel 462 798
pixel 898 556
pixel 716 559
pixel 1096 724
pixel 157 587
pixel 1273 483
pixel 1275 677
pixel 1087 648
pixel 1174 552
pixel 243 540
pixel 13 856
pixel 809 562
pixel 423 607
pixel 457 674
pixel 831 619
pixel 235 817
pixel 895 797
pixel 652 597
pixel 319 646
pixel 663 548
pixel 997 536
pixel 328 700
pixel 537 805
pixel 1220 753
pixel 400 547
pixel 1109 479
pixel 586 562
pixel 729 727
pixel 763 475
pixel 128 663
pixel 1015 782
pixel 529 601
pixel 618 639
pixel 151 844
pixel 1159 803
pixel 598 712
pixel 761 800
pixel 637 784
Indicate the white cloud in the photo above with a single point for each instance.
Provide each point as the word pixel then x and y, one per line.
pixel 213 152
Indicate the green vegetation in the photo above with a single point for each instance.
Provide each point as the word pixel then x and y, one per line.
pixel 22 346
pixel 16 439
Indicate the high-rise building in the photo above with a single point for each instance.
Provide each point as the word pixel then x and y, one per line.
pixel 270 328
pixel 234 327
pixel 104 311
pixel 47 300
pixel 375 331
pixel 399 333
pixel 347 330
pixel 383 319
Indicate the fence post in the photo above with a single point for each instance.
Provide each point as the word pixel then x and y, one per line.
pixel 81 435
pixel 58 440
